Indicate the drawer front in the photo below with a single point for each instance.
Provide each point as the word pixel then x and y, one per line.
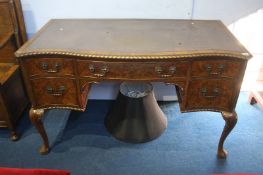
pixel 220 68
pixel 49 67
pixel 132 70
pixel 3 116
pixel 7 52
pixel 3 124
pixel 210 94
pixel 55 92
pixel 6 23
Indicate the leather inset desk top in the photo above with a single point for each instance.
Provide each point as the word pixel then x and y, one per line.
pixel 116 38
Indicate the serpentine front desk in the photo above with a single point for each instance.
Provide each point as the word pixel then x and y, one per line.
pixel 200 57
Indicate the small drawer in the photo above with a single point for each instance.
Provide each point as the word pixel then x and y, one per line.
pixel 210 95
pixel 49 67
pixel 132 70
pixel 55 92
pixel 217 68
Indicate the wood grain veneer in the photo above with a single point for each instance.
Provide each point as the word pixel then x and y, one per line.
pixel 200 57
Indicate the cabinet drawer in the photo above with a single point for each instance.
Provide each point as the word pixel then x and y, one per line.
pixel 6 20
pixel 220 68
pixel 7 51
pixel 3 124
pixel 132 70
pixel 55 92
pixel 49 66
pixel 3 116
pixel 210 94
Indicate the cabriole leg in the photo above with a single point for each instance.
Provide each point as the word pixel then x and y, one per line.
pixel 35 117
pixel 230 122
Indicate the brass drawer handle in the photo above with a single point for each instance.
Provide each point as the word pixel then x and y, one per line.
pixel 46 68
pixel 61 90
pixel 215 93
pixel 220 69
pixel 159 71
pixel 102 72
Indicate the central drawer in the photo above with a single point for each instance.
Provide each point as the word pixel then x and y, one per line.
pixel 132 70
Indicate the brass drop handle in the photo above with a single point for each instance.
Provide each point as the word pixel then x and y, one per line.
pixel 102 72
pixel 220 69
pixel 91 68
pixel 61 90
pixel 215 93
pixel 45 67
pixel 159 71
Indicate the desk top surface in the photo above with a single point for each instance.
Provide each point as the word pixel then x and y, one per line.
pixel 134 39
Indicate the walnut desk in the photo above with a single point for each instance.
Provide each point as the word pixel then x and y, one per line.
pixel 201 58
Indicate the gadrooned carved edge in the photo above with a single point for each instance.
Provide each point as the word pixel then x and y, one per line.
pixel 93 54
pixel 62 107
pixel 204 110
pixel 83 109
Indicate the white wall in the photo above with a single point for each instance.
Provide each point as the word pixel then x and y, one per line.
pixel 229 11
pixel 38 12
pixel 245 19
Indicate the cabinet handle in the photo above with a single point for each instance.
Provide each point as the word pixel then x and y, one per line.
pixel 61 90
pixel 220 69
pixel 215 93
pixel 102 72
pixel 45 67
pixel 159 71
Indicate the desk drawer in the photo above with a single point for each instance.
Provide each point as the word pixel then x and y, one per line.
pixel 132 70
pixel 220 68
pixel 210 94
pixel 49 66
pixel 54 92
